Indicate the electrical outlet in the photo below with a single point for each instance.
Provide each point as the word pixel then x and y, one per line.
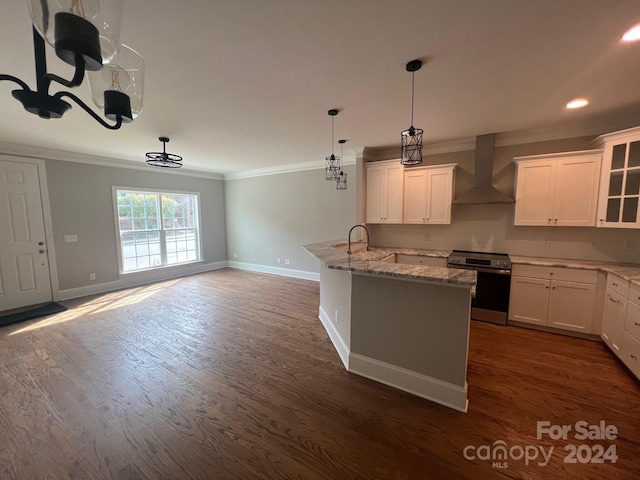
pixel 287 261
pixel 71 238
pixel 336 315
pixel 92 276
pixel 278 260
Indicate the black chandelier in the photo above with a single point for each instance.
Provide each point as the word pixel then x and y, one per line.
pixel 332 169
pixel 164 159
pixel 341 181
pixel 85 34
pixel 412 138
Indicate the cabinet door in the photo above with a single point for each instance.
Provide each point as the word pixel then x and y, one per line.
pixel 571 306
pixel 529 300
pixel 439 193
pixel 374 194
pixel 619 204
pixel 618 331
pixel 394 194
pixel 609 317
pixel 534 193
pixel 415 196
pixel 576 191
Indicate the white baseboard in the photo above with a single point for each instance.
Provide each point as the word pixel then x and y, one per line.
pixel 141 278
pixel 285 272
pixel 444 393
pixel 336 339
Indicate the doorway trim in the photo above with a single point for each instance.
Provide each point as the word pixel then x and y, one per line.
pixel 46 217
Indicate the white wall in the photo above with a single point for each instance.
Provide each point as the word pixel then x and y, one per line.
pixel 81 202
pixel 272 216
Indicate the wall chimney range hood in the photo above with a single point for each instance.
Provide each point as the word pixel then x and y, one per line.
pixel 483 192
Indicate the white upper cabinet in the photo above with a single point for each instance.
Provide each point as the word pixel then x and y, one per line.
pixel 428 192
pixel 385 183
pixel 618 204
pixel 559 189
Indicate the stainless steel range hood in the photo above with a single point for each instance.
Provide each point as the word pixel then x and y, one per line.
pixel 483 192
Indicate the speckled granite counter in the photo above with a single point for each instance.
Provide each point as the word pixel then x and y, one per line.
pixel 334 255
pixel 627 272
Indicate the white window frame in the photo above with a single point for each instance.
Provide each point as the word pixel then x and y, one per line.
pixel 116 218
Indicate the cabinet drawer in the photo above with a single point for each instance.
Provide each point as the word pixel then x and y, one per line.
pixel 634 293
pixel 618 285
pixel 555 273
pixel 631 354
pixel 632 320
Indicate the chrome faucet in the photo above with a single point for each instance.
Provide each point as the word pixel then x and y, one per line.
pixel 349 241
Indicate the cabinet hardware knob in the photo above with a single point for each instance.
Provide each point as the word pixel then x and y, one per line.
pixel 601 220
pixel 553 288
pixel 549 222
pixel 547 287
pixel 41 243
pixel 636 324
pixel 614 284
pixel 555 221
pixel 41 251
pixel 633 356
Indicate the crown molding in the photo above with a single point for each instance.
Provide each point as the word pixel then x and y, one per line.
pixel 279 169
pixel 24 151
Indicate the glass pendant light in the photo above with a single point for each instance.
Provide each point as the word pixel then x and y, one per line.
pixel 332 169
pixel 412 137
pixel 341 181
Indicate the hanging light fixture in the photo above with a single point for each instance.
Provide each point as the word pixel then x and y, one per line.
pixel 412 138
pixel 341 181
pixel 164 159
pixel 86 35
pixel 332 169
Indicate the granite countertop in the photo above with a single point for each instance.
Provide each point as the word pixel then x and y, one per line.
pixel 628 272
pixel 334 255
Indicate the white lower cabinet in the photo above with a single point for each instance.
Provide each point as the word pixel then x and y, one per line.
pixel 561 298
pixel 626 333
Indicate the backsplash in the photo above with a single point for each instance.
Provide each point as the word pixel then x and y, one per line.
pixel 489 228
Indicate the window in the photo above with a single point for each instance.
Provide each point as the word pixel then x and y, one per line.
pixel 157 229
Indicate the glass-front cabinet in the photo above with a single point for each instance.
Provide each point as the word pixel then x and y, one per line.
pixel 620 180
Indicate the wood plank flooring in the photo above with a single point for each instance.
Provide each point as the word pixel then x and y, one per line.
pixel 230 375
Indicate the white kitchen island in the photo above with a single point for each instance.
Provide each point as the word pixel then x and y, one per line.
pixel 406 326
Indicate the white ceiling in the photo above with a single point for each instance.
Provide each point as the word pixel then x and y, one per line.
pixel 243 85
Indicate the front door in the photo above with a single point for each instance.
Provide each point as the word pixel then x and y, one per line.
pixel 24 264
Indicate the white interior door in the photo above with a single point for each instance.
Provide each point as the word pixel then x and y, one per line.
pixel 24 264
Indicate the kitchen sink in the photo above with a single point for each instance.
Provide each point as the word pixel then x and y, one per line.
pixel 407 259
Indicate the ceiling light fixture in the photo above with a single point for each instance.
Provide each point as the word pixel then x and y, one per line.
pixel 164 159
pixel 632 34
pixel 412 138
pixel 332 170
pixel 341 181
pixel 85 34
pixel 577 103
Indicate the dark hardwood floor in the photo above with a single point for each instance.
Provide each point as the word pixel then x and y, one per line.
pixel 230 375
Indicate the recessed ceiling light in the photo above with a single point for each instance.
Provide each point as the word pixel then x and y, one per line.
pixel 632 34
pixel 578 103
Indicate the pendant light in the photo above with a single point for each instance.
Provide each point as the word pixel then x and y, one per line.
pixel 341 181
pixel 333 162
pixel 412 138
pixel 86 35
pixel 164 159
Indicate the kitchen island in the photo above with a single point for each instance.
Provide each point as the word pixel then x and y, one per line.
pixel 403 325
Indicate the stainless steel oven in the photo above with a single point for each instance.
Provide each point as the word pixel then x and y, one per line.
pixel 491 301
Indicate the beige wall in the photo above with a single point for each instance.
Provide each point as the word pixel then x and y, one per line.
pixel 490 227
pixel 272 216
pixel 81 202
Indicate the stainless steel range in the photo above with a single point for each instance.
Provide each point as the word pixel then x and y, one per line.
pixel 491 302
